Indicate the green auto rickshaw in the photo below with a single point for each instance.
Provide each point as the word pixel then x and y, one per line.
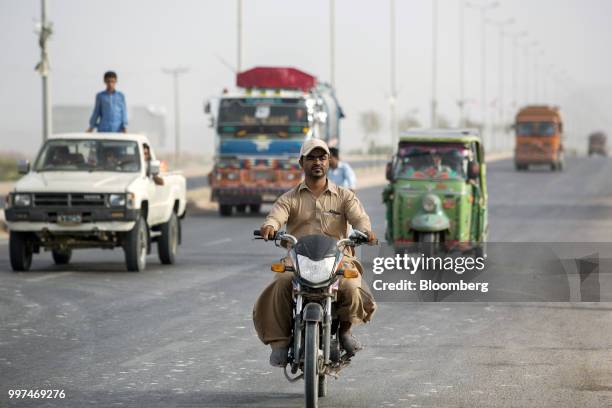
pixel 437 192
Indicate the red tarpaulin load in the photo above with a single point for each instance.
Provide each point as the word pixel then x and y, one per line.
pixel 275 78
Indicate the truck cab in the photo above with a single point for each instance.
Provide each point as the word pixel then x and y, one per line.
pixel 539 131
pixel 259 130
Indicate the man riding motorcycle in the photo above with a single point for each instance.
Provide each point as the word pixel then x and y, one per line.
pixel 315 206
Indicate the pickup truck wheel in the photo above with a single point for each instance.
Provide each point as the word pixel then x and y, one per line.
pixel 225 210
pixel 135 246
pixel 20 249
pixel 62 257
pixel 167 244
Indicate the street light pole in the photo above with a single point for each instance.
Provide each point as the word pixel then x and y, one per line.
pixel 434 64
pixel 483 8
pixel 175 72
pixel 500 97
pixel 392 99
pixel 43 69
pixel 462 63
pixel 515 56
pixel 332 42
pixel 239 38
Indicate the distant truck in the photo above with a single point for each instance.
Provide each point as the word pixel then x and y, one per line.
pixel 598 144
pixel 259 130
pixel 95 190
pixel 539 131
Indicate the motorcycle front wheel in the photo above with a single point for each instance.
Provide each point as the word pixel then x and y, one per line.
pixel 311 356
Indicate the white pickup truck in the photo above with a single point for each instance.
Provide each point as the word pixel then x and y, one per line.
pixel 95 190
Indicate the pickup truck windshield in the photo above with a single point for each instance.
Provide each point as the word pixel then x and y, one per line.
pixel 430 162
pixel 89 155
pixel 282 117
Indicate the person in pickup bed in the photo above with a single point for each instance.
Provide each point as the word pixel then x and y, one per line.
pixel 110 110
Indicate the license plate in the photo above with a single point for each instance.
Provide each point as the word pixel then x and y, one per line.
pixel 69 219
pixel 268 197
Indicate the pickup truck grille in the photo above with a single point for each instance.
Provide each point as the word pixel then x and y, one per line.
pixel 69 200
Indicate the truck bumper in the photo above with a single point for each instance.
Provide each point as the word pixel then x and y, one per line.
pixel 247 195
pixel 92 219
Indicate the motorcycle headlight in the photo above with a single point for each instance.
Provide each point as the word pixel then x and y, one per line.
pixel 430 203
pixel 22 200
pixel 316 271
pixel 117 200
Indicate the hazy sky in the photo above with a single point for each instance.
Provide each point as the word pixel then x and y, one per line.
pixel 139 37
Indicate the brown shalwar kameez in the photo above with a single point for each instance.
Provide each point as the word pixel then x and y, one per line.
pixel 305 214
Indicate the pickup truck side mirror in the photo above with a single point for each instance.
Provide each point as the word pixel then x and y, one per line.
pixel 23 166
pixel 473 170
pixel 389 171
pixel 154 167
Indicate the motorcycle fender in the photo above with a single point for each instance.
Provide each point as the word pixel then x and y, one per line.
pixel 313 312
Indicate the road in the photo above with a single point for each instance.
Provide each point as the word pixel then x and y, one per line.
pixel 182 336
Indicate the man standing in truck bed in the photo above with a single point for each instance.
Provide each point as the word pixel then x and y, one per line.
pixel 110 111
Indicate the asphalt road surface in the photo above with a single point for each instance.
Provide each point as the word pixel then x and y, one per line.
pixel 182 336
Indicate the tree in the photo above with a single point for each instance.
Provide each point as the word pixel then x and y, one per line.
pixel 370 123
pixel 408 121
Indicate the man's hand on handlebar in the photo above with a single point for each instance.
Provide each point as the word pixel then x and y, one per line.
pixel 372 237
pixel 267 232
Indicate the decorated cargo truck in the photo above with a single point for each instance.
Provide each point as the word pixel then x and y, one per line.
pixel 259 129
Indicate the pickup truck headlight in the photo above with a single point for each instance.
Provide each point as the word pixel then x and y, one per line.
pixel 117 200
pixel 22 200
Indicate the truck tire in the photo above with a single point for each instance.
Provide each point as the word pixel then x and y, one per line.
pixel 254 208
pixel 225 210
pixel 135 246
pixel 20 250
pixel 167 243
pixel 62 257
pixel 241 208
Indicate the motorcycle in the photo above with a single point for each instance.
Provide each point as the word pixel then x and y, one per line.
pixel 317 262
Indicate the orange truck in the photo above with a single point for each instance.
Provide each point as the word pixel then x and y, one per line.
pixel 539 131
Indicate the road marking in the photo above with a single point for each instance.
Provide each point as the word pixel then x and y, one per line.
pixel 217 242
pixel 50 276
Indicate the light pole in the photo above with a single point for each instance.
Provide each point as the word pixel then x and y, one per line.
pixel 461 101
pixel 500 96
pixel 239 37
pixel 46 29
pixel 175 72
pixel 332 42
pixel 515 56
pixel 434 63
pixel 392 99
pixel 483 8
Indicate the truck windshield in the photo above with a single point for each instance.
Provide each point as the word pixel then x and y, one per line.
pixel 431 162
pixel 281 117
pixel 89 155
pixel 536 129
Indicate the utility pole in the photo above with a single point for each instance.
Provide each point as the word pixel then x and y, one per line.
pixel 175 72
pixel 239 38
pixel 332 42
pixel 515 57
pixel 500 96
pixel 483 8
pixel 46 29
pixel 434 64
pixel 392 99
pixel 462 63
